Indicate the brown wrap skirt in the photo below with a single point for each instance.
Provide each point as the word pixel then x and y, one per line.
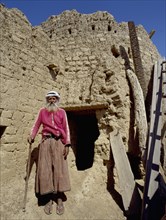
pixel 52 173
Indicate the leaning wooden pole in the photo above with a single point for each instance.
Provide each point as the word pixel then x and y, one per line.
pixel 141 125
pixel 27 177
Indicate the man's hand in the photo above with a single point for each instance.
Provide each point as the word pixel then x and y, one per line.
pixel 65 152
pixel 30 140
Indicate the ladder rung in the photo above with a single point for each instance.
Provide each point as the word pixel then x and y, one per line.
pixel 163 71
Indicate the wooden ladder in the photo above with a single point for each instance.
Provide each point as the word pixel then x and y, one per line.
pixel 163 131
pixel 164 78
pixel 154 140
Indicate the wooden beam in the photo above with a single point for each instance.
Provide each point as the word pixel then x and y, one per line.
pixel 129 192
pixel 94 106
pixel 151 33
pixel 139 110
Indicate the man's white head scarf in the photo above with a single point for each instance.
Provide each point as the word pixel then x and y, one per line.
pixel 53 93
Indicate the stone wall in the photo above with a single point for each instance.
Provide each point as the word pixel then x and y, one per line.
pixel 76 54
pixel 93 47
pixel 25 54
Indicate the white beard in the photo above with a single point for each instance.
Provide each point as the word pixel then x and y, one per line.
pixel 51 107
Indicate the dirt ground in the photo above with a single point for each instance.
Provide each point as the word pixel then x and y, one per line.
pixel 88 198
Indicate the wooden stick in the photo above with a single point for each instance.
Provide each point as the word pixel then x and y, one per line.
pixel 27 177
pixel 139 109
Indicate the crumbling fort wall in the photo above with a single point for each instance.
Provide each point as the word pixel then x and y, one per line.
pixel 80 56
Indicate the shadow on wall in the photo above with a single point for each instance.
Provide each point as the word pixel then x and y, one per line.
pixel 84 132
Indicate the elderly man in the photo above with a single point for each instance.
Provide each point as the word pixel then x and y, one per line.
pixel 52 176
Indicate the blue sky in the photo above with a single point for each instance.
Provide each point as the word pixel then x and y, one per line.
pixel 149 13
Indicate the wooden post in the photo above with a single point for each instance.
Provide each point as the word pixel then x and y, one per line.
pixel 130 196
pixel 139 110
pixel 27 177
pixel 151 33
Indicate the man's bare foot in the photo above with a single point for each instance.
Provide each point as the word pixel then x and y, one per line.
pixel 60 207
pixel 48 208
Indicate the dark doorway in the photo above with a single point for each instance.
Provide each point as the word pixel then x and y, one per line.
pixel 84 132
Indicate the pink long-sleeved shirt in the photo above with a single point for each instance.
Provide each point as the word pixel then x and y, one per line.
pixel 53 122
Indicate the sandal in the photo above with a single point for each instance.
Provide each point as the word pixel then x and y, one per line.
pixel 48 208
pixel 60 209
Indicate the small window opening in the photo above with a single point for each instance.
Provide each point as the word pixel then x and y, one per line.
pixel 69 30
pixel 93 27
pixel 51 32
pixel 24 68
pixel 109 28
